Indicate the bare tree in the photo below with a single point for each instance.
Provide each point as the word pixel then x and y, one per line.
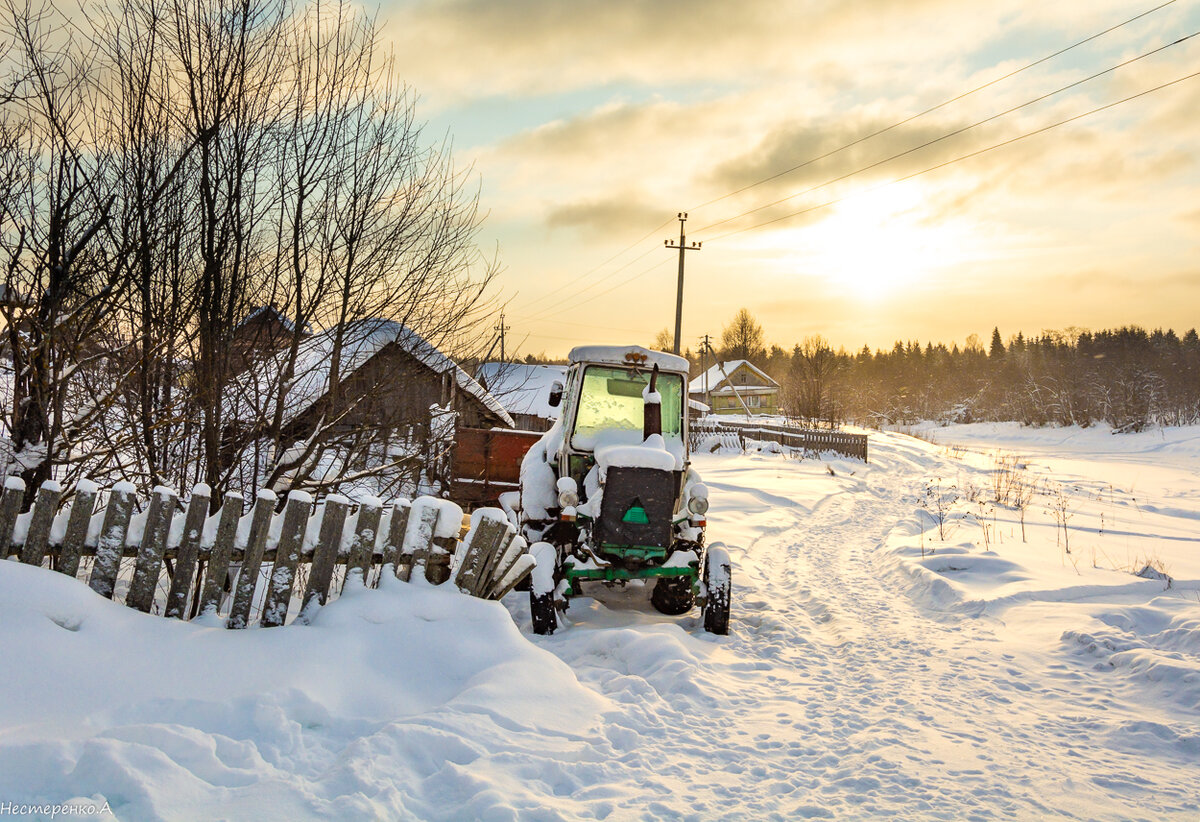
pixel 743 338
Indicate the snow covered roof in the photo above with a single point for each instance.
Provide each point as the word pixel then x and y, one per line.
pixel 621 354
pixel 710 379
pixel 363 339
pixel 522 388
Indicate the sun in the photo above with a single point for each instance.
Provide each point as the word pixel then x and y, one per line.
pixel 879 242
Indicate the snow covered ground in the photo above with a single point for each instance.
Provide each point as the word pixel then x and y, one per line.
pixel 898 650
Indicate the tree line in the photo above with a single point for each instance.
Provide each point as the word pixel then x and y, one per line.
pixel 1127 377
pixel 166 166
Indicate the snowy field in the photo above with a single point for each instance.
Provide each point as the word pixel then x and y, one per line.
pixel 903 646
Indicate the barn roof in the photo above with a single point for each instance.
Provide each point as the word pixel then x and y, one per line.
pixel 363 339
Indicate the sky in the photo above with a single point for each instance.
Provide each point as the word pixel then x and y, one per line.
pixel 590 127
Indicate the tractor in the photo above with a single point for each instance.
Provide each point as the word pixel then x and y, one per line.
pixel 608 494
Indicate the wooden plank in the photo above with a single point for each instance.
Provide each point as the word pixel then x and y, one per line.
pixel 247 581
pixel 150 555
pixel 362 550
pixel 325 555
pixel 437 565
pixel 218 559
pixel 506 558
pixel 393 548
pixel 521 569
pixel 287 557
pixel 82 508
pixel 189 552
pixel 37 540
pixel 10 507
pixel 112 539
pixel 484 542
pixel 418 541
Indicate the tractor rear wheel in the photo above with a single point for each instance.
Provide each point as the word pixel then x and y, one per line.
pixel 673 595
pixel 717 584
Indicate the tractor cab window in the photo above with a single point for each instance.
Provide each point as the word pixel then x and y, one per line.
pixel 611 407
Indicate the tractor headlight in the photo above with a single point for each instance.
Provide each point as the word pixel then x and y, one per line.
pixel 568 492
pixel 698 505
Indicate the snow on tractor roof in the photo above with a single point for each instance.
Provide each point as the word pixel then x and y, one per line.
pixel 628 355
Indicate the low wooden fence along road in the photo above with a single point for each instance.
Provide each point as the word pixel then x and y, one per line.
pixel 849 445
pixel 256 564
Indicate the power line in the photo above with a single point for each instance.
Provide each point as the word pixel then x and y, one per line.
pixel 1010 141
pixel 954 133
pixel 554 306
pixel 591 271
pixel 930 110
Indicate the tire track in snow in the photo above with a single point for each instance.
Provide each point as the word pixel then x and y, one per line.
pixel 838 696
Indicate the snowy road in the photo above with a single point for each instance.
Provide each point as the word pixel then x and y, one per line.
pixel 837 695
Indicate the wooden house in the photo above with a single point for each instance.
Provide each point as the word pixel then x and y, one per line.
pixel 736 387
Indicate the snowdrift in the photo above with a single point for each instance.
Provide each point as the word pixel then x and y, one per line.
pixel 360 714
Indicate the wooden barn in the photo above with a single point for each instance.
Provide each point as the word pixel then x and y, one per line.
pixel 396 396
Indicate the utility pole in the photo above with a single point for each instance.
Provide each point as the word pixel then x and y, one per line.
pixel 705 347
pixel 502 328
pixel 683 246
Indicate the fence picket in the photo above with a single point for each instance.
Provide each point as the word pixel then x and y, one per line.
pixel 218 559
pixel 37 540
pixel 150 554
pixel 287 557
pixel 189 552
pixel 325 554
pixel 82 509
pixel 418 541
pixel 247 581
pixel 10 507
pixel 394 548
pixel 362 551
pixel 520 569
pixel 112 539
pixel 484 543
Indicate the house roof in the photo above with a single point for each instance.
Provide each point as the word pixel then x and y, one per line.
pixel 271 312
pixel 522 388
pixel 363 339
pixel 712 378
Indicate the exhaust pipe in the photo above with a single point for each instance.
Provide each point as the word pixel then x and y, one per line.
pixel 652 407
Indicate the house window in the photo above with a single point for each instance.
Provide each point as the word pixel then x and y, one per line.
pixel 754 401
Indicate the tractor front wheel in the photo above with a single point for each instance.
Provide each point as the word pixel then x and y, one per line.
pixel 542 583
pixel 717 585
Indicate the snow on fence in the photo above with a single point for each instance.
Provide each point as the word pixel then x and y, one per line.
pixel 186 561
pixel 850 445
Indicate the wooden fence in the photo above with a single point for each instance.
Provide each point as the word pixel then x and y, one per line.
pixel 850 445
pixel 184 560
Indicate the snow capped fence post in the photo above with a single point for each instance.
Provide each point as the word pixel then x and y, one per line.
pixel 77 527
pixel 287 557
pixel 418 541
pixel 112 539
pixel 482 545
pixel 362 552
pixel 189 551
pixel 260 525
pixel 394 550
pixel 218 560
pixel 37 540
pixel 325 554
pixel 10 507
pixel 150 553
